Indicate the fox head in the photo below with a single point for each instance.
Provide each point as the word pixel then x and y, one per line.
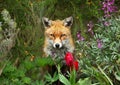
pixel 57 33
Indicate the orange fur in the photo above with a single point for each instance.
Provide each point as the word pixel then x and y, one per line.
pixel 58 38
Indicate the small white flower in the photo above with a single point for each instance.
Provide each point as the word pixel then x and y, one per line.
pixel 12 24
pixel 4 12
pixel 6 15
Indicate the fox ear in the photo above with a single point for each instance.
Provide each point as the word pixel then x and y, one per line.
pixel 46 22
pixel 68 21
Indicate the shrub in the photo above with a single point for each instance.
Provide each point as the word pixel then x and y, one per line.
pixel 100 55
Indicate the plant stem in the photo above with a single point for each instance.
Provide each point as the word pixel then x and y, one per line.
pixel 105 75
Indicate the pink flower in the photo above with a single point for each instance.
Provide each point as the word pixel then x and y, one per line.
pixel 79 37
pixel 90 26
pixel 108 7
pixel 106 23
pixel 99 43
pixel 69 59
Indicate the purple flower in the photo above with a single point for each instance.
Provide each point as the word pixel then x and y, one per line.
pixel 108 7
pixel 90 26
pixel 99 43
pixel 106 23
pixel 79 37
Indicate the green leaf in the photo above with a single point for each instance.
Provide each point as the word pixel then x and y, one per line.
pixel 9 68
pixel 64 80
pixel 44 61
pixel 85 81
pixel 26 80
pixel 117 76
pixel 48 77
pixel 73 76
pixel 51 79
pixel 28 65
pixel 55 76
pixel 38 82
pixel 58 68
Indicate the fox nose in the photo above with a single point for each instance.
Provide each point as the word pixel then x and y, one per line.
pixel 57 45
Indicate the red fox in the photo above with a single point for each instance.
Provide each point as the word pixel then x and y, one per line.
pixel 58 38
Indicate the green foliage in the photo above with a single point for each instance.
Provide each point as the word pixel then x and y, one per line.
pixel 101 63
pixel 72 79
pixel 85 81
pixel 50 79
pixel 26 80
pixel 64 80
pixel 13 75
pixel 20 75
pixel 44 61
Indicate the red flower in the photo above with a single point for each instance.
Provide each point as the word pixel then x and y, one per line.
pixel 75 64
pixel 69 59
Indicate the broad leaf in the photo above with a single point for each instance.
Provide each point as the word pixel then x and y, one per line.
pixel 64 80
pixel 85 81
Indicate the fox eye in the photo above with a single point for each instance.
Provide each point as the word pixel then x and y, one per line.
pixel 52 35
pixel 63 35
